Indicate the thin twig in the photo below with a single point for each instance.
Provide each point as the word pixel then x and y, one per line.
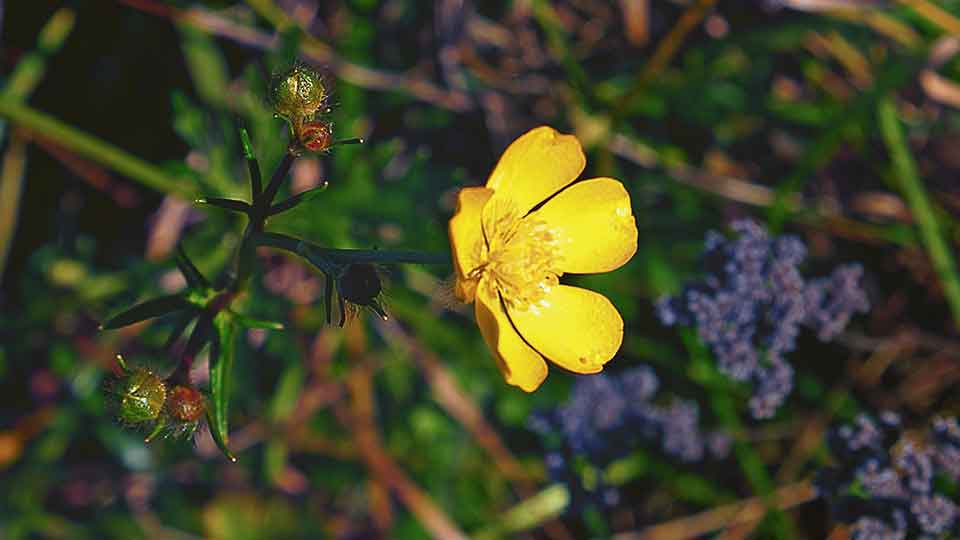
pixel 746 511
pixel 11 187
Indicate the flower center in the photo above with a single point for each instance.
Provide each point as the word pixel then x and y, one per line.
pixel 520 259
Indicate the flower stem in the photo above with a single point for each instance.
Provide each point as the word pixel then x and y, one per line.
pixel 277 179
pixel 245 258
pixel 348 256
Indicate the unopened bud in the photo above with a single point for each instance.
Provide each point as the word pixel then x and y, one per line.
pixel 186 404
pixel 142 395
pixel 360 284
pixel 316 136
pixel 298 93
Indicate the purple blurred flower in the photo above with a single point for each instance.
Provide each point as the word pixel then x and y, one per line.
pixel 868 528
pixel 884 482
pixel 752 302
pixel 916 466
pixel 608 416
pixel 604 410
pixel 879 481
pixel 946 435
pixel 935 514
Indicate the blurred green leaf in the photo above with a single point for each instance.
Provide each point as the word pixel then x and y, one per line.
pixel 253 322
pixel 287 391
pixel 222 355
pixel 148 310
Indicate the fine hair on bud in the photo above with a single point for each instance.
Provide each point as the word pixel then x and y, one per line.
pixel 299 90
pixel 145 400
pixel 139 395
pixel 186 404
pixel 360 285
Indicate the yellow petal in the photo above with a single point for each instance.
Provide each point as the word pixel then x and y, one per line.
pixel 535 166
pixel 593 224
pixel 466 237
pixel 521 365
pixel 577 329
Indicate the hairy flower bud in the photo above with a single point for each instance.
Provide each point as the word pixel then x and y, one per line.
pixel 360 284
pixel 298 93
pixel 316 136
pixel 142 394
pixel 186 404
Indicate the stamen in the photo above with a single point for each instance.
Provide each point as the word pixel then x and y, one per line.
pixel 521 260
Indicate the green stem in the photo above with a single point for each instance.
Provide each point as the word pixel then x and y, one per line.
pixel 245 259
pixel 92 148
pixel 23 80
pixel 931 231
pixel 256 182
pixel 348 256
pixel 266 199
pixel 32 67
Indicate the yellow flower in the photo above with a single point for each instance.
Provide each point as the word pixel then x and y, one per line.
pixel 509 258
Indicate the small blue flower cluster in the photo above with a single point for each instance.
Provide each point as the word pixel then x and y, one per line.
pixel 884 481
pixel 753 301
pixel 608 416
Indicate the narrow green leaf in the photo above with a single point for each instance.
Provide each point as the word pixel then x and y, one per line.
pixel 157 430
pixel 227 204
pixel 528 513
pixel 202 333
pixel 183 321
pixel 189 270
pixel 222 355
pixel 305 196
pixel 279 175
pixel 287 391
pixel 256 179
pixel 147 310
pixel 275 454
pixel 253 322
pixel 245 142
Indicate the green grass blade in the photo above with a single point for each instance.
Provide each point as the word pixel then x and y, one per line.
pixel 931 231
pixel 529 513
pixel 92 148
